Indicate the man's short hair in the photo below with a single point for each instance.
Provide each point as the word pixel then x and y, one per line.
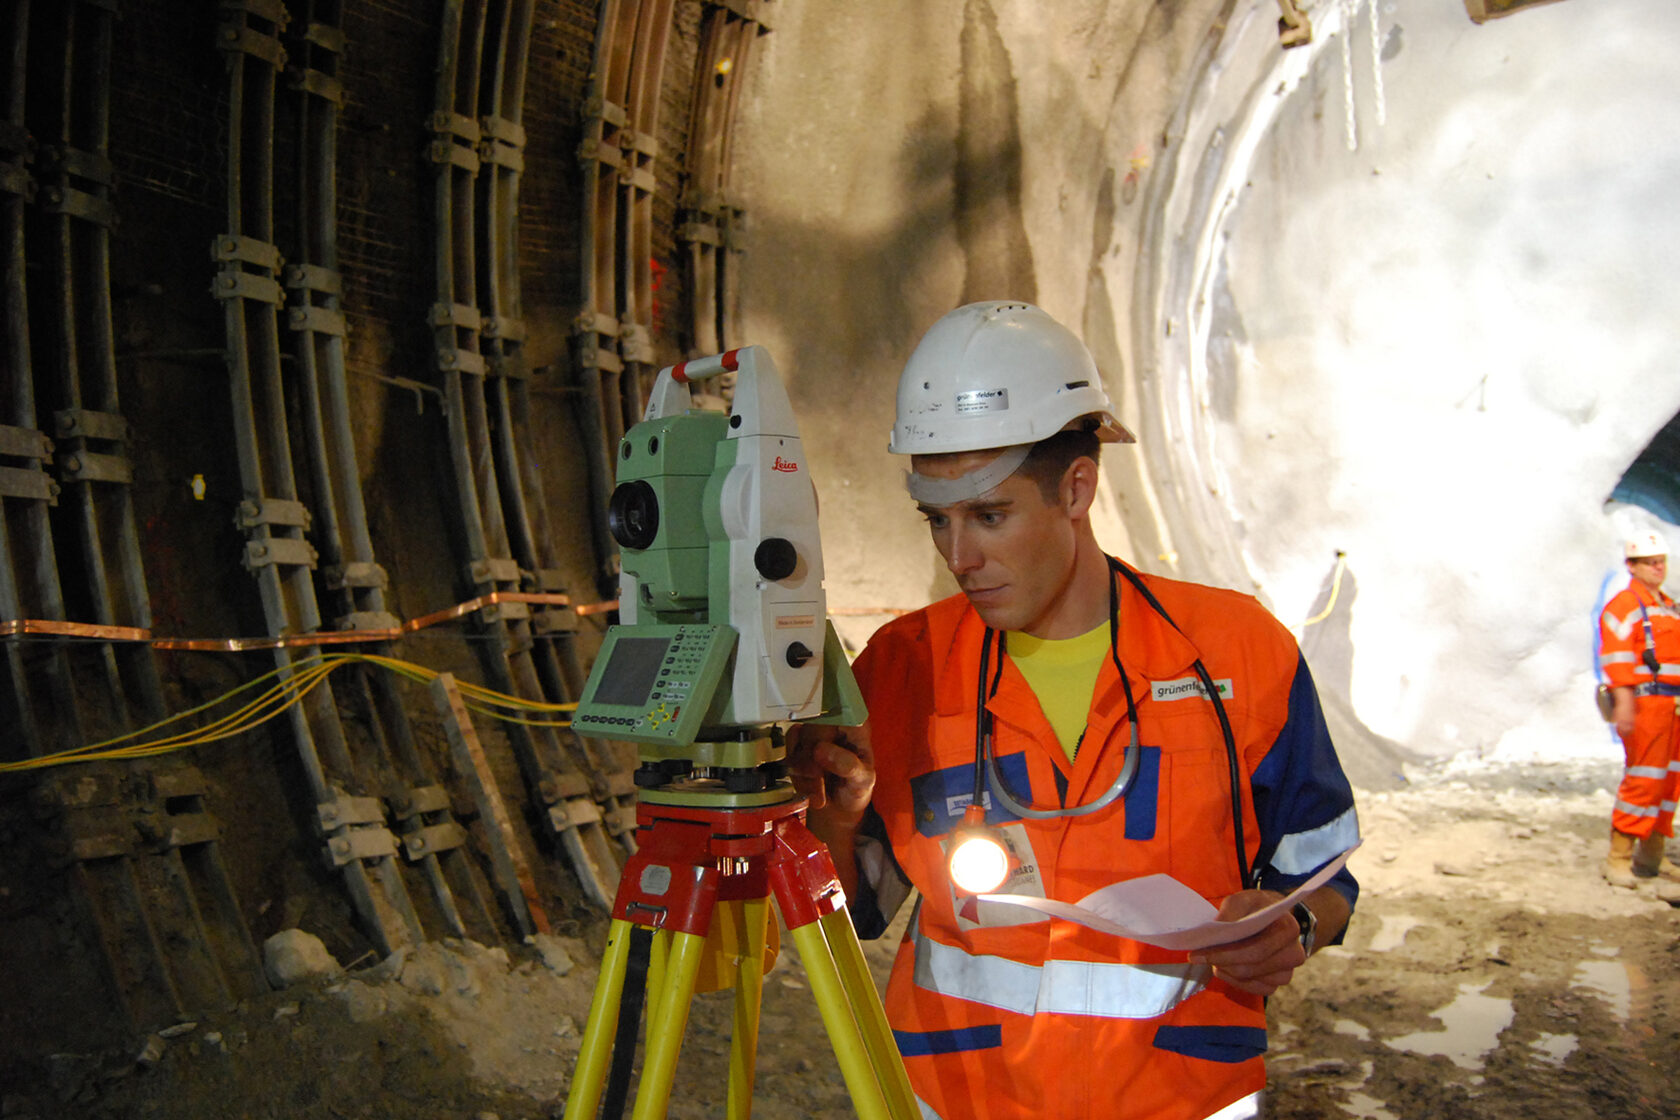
pixel 1050 458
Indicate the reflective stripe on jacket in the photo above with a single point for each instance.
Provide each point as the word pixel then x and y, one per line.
pixel 1002 1013
pixel 1621 631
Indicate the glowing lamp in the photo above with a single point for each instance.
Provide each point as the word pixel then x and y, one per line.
pixel 979 862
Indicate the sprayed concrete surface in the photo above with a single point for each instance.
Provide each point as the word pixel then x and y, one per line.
pixel 1489 972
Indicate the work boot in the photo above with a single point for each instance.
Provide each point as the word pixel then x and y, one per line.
pixel 1618 865
pixel 1649 861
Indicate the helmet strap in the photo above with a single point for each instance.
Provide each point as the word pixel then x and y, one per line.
pixel 930 491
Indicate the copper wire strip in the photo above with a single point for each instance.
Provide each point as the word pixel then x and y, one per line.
pixel 17 627
pixel 13 628
pixel 51 628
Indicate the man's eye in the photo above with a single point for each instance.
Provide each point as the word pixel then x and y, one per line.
pixel 936 520
pixel 992 517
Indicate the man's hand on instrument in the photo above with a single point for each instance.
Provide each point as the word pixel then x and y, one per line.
pixel 834 767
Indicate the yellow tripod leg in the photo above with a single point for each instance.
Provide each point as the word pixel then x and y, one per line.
pixel 865 1003
pixel 754 917
pixel 843 1033
pixel 667 1020
pixel 584 1095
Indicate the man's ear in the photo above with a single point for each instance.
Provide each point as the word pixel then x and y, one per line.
pixel 1079 487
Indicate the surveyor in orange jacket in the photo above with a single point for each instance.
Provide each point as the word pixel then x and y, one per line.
pixel 1639 651
pixel 1103 725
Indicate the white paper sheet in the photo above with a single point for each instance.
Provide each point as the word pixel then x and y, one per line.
pixel 1160 910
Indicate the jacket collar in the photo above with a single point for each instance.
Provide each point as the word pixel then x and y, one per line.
pixel 1151 648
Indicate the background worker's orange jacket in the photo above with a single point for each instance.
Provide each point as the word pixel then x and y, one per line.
pixel 1622 640
pixel 1002 1014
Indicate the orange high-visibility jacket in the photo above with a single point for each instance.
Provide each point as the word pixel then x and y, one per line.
pixel 1622 637
pixel 1002 1013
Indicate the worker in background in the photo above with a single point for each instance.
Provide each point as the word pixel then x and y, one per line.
pixel 1639 639
pixel 1104 717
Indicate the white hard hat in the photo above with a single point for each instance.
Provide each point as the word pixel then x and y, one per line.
pixel 1645 544
pixel 997 374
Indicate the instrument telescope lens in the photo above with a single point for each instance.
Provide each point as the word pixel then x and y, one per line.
pixel 633 515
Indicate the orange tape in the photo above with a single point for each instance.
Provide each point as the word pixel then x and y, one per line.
pixel 16 627
pixel 48 627
pixel 19 627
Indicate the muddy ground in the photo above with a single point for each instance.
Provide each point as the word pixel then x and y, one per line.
pixel 1489 972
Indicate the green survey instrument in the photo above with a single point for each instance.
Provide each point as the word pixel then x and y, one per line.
pixel 723 633
pixel 723 641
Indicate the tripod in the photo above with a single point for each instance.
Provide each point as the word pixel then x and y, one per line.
pixel 692 861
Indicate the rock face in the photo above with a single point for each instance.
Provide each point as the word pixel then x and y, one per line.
pixel 292 955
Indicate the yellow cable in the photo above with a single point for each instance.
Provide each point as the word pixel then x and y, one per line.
pixel 300 678
pixel 1335 589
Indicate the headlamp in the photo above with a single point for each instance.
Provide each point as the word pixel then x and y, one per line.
pixel 979 861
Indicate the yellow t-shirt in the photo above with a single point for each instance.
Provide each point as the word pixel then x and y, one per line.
pixel 1063 674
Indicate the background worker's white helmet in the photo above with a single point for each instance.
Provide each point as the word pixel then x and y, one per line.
pixel 1645 544
pixel 997 374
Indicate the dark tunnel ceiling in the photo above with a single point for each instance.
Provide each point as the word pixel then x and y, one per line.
pixel 1652 481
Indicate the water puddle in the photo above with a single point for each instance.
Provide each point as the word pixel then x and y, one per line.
pixel 1555 1048
pixel 1609 980
pixel 1392 933
pixel 1349 1027
pixel 1472 1024
pixel 1367 1108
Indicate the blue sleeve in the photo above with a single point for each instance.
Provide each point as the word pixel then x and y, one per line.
pixel 1302 799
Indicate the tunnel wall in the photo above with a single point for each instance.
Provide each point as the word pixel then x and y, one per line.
pixel 159 180
pixel 933 155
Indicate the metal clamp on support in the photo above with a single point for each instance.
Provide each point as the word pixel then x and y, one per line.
pixel 420 839
pixel 382 621
pixel 235 39
pixel 597 342
pixel 84 423
pixel 317 320
pixel 88 466
pixel 461 316
pixel 602 121
pixel 318 83
pixel 233 282
pixel 192 826
pixel 456 141
pixel 63 164
pixel 504 143
pixel 292 551
pixel 315 278
pixel 497 573
pixel 555 619
pixel 325 36
pixel 432 840
pixel 95 820
pixel 504 327
pixel 16 143
pixel 640 151
pixel 355 829
pixel 356 574
pixel 635 344
pixel 713 222
pixel 29 481
pixel 253 512
pixel 487 573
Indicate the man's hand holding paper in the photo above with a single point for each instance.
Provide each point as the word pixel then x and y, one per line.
pixel 1246 940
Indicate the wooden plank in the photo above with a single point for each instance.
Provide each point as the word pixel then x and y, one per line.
pixel 512 874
